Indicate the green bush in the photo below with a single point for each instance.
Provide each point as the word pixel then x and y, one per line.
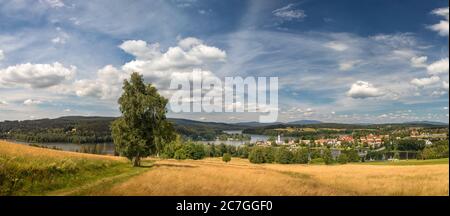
pixel 375 155
pixel 315 154
pixel 283 156
pixel 269 154
pixel 300 156
pixel 243 151
pixel 353 156
pixel 226 158
pixel 327 157
pixel 435 151
pixel 184 151
pixel 410 145
pixel 195 151
pixel 343 158
pixel 317 161
pixel 261 155
pixel 180 154
pixel 257 155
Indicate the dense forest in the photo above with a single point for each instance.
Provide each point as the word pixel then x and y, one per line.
pixel 76 129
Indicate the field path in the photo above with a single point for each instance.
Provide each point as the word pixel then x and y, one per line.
pixel 98 185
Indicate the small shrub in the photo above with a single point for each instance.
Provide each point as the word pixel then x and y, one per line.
pixel 257 155
pixel 300 156
pixel 318 161
pixel 437 150
pixel 343 158
pixel 353 156
pixel 226 158
pixel 283 156
pixel 327 157
pixel 180 154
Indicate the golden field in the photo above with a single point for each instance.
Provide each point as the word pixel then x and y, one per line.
pixel 239 177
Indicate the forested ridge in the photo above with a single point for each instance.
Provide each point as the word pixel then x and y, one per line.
pixel 81 129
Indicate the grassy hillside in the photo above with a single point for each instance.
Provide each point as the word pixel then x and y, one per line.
pixel 28 170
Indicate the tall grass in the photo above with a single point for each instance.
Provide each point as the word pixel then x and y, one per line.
pixel 239 177
pixel 35 171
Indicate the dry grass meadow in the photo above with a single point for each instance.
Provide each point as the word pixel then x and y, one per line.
pixel 214 177
pixel 239 177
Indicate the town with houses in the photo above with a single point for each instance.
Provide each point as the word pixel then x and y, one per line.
pixel 370 141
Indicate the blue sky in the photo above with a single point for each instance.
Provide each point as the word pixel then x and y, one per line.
pixel 337 61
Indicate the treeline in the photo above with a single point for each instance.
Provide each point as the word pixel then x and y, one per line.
pixel 283 155
pixel 240 137
pixel 435 151
pixel 197 133
pixel 257 154
pixel 196 151
pixel 57 135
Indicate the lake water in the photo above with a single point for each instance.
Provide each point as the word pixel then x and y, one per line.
pixel 108 148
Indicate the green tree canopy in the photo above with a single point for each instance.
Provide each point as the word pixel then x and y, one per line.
pixel 143 129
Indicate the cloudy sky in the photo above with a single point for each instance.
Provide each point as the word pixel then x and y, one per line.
pixel 337 61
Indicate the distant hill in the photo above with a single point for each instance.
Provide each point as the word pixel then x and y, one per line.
pixel 304 122
pixel 256 124
pixel 213 125
pixel 427 123
pixel 102 123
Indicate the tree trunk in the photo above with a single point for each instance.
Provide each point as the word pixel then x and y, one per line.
pixel 136 161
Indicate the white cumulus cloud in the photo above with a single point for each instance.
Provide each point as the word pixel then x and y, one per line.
pixel 107 85
pixel 158 66
pixel 140 49
pixel 419 61
pixel 421 82
pixel 445 85
pixel 362 89
pixel 438 67
pixel 443 25
pixel 189 42
pixel 36 75
pixel 30 102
